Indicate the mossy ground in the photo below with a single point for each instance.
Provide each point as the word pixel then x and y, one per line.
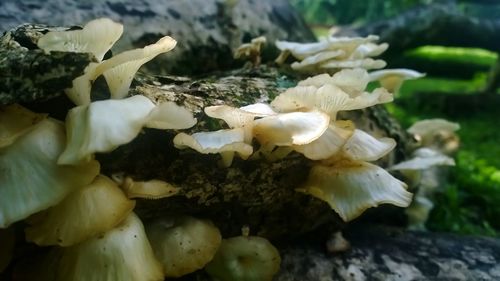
pixel 471 202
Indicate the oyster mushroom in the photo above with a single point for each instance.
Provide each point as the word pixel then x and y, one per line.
pixel 392 79
pixel 183 244
pixel 87 212
pixel 245 258
pixel 31 178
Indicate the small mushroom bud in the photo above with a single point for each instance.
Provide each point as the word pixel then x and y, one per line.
pixel 183 245
pixel 245 258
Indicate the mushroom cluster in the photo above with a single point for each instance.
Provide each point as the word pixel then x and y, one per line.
pixel 424 170
pixel 88 218
pixel 333 53
pixel 304 119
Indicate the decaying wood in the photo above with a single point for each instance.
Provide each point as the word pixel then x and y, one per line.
pixel 28 74
pixel 252 192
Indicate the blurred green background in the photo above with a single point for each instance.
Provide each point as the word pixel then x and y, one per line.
pixel 470 204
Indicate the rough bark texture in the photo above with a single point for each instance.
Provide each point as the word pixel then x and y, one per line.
pixel 389 254
pixel 28 74
pixel 435 25
pixel 206 30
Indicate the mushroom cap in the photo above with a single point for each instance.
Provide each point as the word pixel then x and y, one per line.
pixel 31 178
pixel 151 189
pixel 183 244
pixel 169 115
pixel 215 142
pixel 293 128
pixel 362 146
pixel 81 88
pixel 316 59
pixel 392 79
pixel 96 37
pixel 123 253
pixel 367 63
pixel 429 127
pixel 16 120
pixel 87 212
pixel 245 258
pixel 350 187
pixel 102 126
pixel 424 158
pixel 329 143
pixel 352 81
pixel 120 70
pixel 369 49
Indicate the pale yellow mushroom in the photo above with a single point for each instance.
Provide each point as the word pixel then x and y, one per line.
pixel 85 213
pixel 392 79
pixel 183 244
pixel 16 121
pixel 151 189
pixel 31 178
pixel 350 187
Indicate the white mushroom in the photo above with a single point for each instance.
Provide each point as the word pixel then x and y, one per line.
pixel 96 37
pixel 362 146
pixel 31 179
pixel 87 212
pixel 392 79
pixel 104 125
pixel 225 142
pixel 123 253
pixel 350 187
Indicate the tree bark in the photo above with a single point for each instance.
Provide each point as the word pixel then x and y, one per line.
pixel 435 24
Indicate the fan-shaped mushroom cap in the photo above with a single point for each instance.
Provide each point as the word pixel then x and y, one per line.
pixel 245 258
pixel 392 79
pixel 327 98
pixel 16 120
pixel 120 69
pixel 90 211
pixel 369 50
pixel 31 179
pixel 81 88
pixel 350 187
pixel 367 63
pixel 362 146
pixel 329 143
pixel 184 244
pixel 424 158
pixel 96 37
pixel 102 126
pixel 428 127
pixel 314 60
pixel 151 189
pixel 352 81
pixel 122 253
pixel 240 117
pixel 294 128
pixel 169 115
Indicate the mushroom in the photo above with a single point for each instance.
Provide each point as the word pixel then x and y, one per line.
pixel 123 253
pixel 245 258
pixel 329 143
pixel 96 37
pixel 351 81
pixel 350 187
pixel 251 50
pixel 87 212
pixel 120 69
pixel 240 117
pixel 437 133
pixel 225 142
pixel 104 125
pixel 151 189
pixel 31 178
pixel 183 244
pixel 392 79
pixel 294 128
pixel 16 121
pixel 362 146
